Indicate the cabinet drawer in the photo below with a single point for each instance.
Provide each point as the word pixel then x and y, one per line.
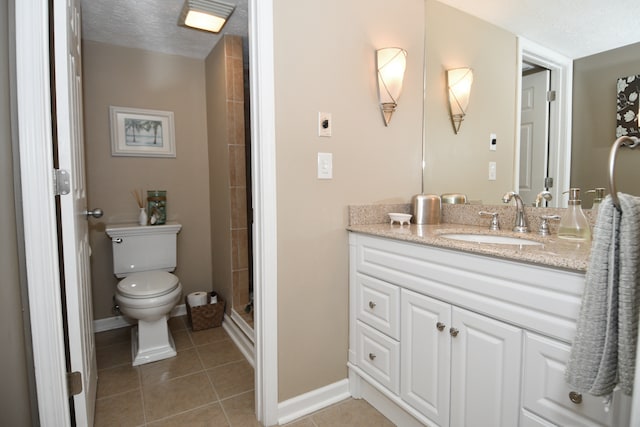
pixel 379 356
pixel 378 305
pixel 539 299
pixel 546 394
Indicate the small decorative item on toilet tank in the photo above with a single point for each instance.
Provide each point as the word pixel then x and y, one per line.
pixel 142 211
pixel 157 206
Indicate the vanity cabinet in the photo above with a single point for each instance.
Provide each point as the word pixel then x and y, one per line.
pixel 548 398
pixel 441 337
pixel 458 365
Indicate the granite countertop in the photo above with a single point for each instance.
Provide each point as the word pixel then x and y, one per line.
pixel 553 252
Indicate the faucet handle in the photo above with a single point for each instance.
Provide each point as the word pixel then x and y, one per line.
pixel 544 224
pixel 494 224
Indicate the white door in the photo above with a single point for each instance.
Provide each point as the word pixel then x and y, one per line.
pixel 485 371
pixel 426 357
pixel 534 135
pixel 75 237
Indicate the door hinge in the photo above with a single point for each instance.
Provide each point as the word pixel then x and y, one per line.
pixel 74 383
pixel 551 95
pixel 61 182
pixel 548 182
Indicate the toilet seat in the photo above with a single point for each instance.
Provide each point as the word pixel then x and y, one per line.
pixel 148 284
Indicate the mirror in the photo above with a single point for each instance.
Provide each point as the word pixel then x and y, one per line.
pixel 460 163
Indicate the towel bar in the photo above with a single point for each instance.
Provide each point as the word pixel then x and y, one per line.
pixel 623 141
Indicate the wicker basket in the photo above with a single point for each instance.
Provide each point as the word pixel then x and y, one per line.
pixel 205 316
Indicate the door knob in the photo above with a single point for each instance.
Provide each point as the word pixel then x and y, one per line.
pixel 454 332
pixel 440 326
pixel 96 213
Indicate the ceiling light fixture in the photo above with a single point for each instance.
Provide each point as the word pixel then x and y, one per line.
pixel 207 15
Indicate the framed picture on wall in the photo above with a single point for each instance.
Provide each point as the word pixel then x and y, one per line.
pixel 627 106
pixel 142 133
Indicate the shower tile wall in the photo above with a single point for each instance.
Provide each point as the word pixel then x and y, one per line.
pixel 228 171
pixel 237 171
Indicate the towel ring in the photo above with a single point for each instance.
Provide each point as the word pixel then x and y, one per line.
pixel 623 141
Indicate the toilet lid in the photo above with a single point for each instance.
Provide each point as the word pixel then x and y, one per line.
pixel 148 283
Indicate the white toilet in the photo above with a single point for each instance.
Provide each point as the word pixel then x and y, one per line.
pixel 143 256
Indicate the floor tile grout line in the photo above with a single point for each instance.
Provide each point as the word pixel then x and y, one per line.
pixel 224 411
pixel 215 391
pixel 207 374
pixel 186 411
pixel 237 395
pixel 222 365
pixel 144 411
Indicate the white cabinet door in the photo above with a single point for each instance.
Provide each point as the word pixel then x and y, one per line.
pixel 425 353
pixel 485 371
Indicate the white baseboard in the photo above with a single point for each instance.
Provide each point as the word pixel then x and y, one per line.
pixel 243 343
pixel 243 325
pixel 116 322
pixel 312 401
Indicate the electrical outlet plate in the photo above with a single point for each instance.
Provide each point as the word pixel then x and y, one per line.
pixel 324 124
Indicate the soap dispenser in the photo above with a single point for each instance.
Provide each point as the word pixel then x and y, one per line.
pixel 573 223
pixel 598 196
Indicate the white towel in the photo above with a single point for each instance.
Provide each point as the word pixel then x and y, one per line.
pixel 604 349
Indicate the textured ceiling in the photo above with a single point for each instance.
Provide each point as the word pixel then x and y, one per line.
pixel 574 28
pixel 153 25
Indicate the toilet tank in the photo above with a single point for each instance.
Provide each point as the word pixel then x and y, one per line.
pixel 143 248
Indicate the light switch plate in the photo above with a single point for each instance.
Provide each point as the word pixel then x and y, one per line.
pixel 492 171
pixel 325 165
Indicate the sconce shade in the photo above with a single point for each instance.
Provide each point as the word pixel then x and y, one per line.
pixel 459 81
pixel 207 15
pixel 391 63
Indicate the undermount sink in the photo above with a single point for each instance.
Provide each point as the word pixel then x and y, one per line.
pixel 490 238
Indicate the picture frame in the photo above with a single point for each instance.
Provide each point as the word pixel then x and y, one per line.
pixel 141 132
pixel 628 92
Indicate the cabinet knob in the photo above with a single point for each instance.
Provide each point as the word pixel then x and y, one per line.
pixel 440 326
pixel 454 332
pixel 372 356
pixel 372 305
pixel 575 397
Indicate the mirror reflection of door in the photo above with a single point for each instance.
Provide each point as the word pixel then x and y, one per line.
pixel 534 132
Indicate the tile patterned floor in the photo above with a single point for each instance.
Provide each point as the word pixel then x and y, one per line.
pixel 209 383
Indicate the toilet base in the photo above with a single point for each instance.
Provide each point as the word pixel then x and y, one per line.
pixel 151 341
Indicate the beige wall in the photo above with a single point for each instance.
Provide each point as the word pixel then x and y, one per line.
pixel 14 392
pixel 594 121
pixel 325 61
pixel 140 79
pixel 459 163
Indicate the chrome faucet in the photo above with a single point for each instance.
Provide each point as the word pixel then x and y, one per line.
pixel 546 195
pixel 521 220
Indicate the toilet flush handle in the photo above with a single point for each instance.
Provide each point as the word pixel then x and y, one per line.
pixel 117 240
pixel 96 213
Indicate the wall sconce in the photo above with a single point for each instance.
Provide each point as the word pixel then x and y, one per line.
pixel 391 63
pixel 207 15
pixel 459 81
